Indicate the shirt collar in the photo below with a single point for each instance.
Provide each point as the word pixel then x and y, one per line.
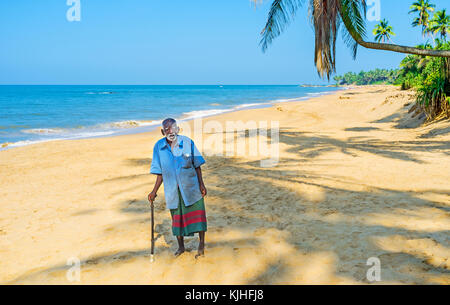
pixel 179 139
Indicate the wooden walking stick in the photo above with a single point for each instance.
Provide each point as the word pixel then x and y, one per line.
pixel 152 251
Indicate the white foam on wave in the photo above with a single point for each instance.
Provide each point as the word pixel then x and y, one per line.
pixel 202 113
pixel 129 124
pixel 21 143
pixel 250 105
pixel 43 131
pixel 314 94
pixel 55 134
pixel 285 100
pixel 72 136
pixel 102 92
pixel 103 127
pixel 205 113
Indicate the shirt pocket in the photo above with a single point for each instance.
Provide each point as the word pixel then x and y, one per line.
pixel 186 160
pixel 189 180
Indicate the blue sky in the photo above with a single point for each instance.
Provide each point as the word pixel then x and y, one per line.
pixel 172 42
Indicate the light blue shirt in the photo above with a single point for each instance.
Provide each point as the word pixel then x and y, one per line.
pixel 177 168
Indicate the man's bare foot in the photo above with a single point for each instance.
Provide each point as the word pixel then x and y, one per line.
pixel 200 251
pixel 179 252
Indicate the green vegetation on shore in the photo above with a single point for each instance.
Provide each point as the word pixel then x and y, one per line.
pixel 430 77
pixel 375 77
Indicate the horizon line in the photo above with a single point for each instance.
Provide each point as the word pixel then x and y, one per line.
pixel 300 84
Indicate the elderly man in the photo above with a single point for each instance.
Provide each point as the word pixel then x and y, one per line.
pixel 176 161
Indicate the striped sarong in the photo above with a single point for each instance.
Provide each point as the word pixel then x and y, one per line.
pixel 188 220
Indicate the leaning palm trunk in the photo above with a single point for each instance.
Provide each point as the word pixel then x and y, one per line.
pixel 391 47
pixel 403 49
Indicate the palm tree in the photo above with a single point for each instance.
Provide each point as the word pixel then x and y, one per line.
pixel 423 7
pixel 326 17
pixel 338 79
pixel 383 31
pixel 440 24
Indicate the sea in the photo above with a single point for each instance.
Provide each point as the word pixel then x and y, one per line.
pixel 33 114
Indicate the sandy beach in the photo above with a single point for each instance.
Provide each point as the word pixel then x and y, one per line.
pixel 357 178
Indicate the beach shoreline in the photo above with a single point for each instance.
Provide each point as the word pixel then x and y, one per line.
pixel 132 126
pixel 357 177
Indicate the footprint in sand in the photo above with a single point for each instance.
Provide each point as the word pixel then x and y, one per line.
pixel 91 262
pixel 122 257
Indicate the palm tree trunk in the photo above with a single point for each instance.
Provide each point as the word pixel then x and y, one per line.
pixel 390 47
pixel 402 49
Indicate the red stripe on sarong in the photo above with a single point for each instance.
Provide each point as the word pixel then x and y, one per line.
pixel 189 215
pixel 187 219
pixel 195 219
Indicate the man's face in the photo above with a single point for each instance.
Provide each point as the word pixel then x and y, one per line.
pixel 170 131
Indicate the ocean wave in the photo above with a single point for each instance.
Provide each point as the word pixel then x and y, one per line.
pixel 284 100
pixel 102 92
pixel 79 132
pixel 202 113
pixel 88 129
pixel 43 130
pixel 308 96
pixel 73 136
pixel 23 143
pixel 209 112
pixel 314 94
pixel 249 105
pixel 130 124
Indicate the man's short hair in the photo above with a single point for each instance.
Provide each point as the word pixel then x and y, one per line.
pixel 168 121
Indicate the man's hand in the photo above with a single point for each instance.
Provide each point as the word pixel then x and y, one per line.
pixel 203 190
pixel 152 196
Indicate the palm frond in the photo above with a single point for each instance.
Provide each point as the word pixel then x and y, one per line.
pixel 324 15
pixel 280 15
pixel 353 13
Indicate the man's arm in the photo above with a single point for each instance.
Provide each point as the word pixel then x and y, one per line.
pixel 158 182
pixel 200 181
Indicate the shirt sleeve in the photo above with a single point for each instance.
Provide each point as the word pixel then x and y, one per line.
pixel 197 156
pixel 156 162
